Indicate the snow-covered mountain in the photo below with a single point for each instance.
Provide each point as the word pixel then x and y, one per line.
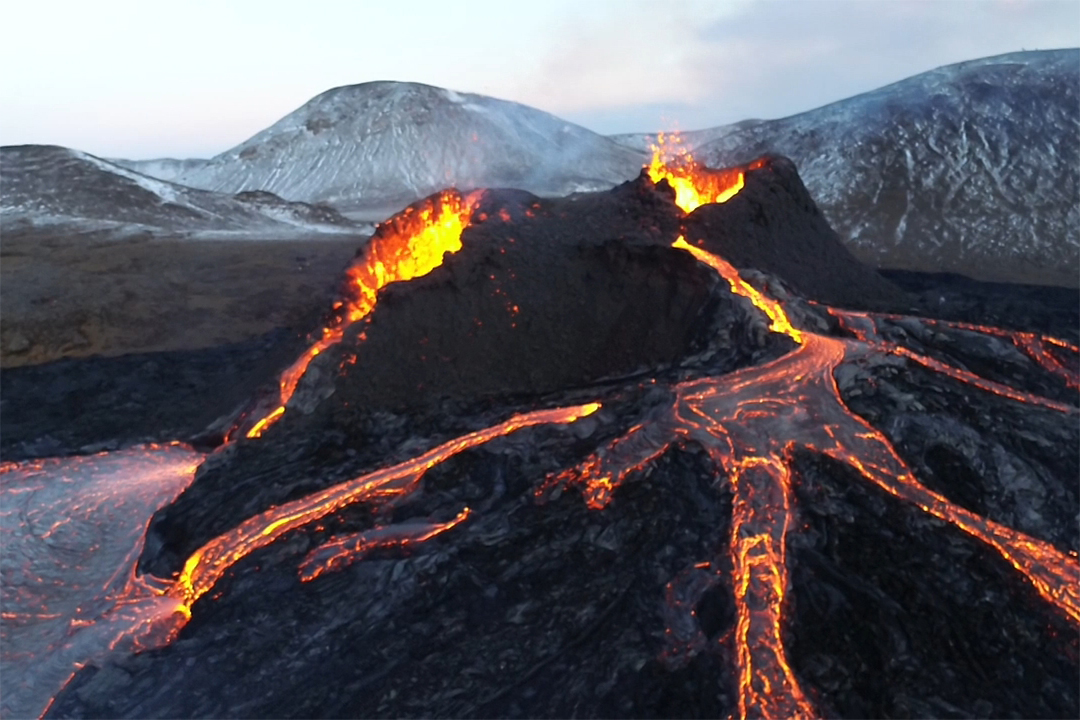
pixel 381 143
pixel 972 168
pixel 56 188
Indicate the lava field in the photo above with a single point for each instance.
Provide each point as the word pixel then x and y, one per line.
pixel 668 450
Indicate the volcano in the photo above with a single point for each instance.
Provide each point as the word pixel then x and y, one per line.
pixel 664 450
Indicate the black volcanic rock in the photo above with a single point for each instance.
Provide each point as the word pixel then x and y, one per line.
pixel 1002 460
pixel 101 403
pixel 600 296
pixel 898 616
pixel 773 225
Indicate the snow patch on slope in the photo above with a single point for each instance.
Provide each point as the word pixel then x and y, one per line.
pixel 972 168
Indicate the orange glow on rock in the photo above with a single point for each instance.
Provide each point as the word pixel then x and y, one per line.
pixel 409 245
pixel 207 564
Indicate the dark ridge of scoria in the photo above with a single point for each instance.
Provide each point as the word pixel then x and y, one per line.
pixel 773 225
pixel 562 294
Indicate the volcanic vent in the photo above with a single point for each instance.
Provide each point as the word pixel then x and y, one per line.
pixel 586 463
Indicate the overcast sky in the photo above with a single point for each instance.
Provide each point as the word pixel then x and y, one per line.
pixel 142 79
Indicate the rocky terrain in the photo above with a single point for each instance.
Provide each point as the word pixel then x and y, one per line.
pixel 596 553
pixel 78 296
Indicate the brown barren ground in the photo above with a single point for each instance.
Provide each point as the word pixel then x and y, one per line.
pixel 75 296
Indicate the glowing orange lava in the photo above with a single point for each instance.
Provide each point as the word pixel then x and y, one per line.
pixel 780 322
pixel 694 184
pixel 409 245
pixel 207 564
pixel 864 326
pixel 342 552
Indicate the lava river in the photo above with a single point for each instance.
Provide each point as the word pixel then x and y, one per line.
pixel 750 422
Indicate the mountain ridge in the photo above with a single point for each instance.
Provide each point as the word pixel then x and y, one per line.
pixel 58 189
pixel 374 144
pixel 968 168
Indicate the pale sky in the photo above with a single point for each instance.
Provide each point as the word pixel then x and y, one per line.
pixel 141 79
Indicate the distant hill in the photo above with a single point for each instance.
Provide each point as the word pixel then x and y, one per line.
pixel 690 139
pixel 57 189
pixel 383 144
pixel 972 168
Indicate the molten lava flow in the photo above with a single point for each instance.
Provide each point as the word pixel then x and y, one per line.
pixel 780 322
pixel 409 245
pixel 694 184
pixel 767 686
pixel 207 564
pixel 72 530
pixel 750 422
pixel 864 327
pixel 344 551
pixel 1035 347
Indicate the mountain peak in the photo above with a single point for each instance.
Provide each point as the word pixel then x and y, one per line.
pixel 378 145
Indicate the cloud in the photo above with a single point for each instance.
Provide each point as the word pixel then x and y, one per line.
pixel 790 57
pixel 136 79
pixel 619 55
pixel 656 66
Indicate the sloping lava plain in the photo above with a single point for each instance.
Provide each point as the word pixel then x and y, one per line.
pixel 671 503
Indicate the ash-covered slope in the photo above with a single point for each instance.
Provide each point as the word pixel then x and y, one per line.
pixel 53 188
pixel 380 143
pixel 972 168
